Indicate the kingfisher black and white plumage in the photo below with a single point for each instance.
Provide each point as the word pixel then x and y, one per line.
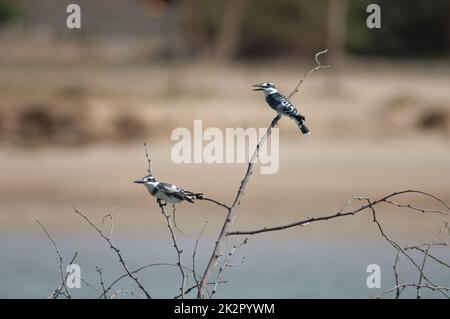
pixel 168 193
pixel 281 104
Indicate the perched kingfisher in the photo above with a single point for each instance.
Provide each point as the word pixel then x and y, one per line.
pixel 168 193
pixel 281 104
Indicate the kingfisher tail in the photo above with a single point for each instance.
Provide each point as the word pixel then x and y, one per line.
pixel 304 129
pixel 301 124
pixel 198 195
pixel 190 197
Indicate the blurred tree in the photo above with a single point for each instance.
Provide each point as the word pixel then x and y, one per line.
pixel 283 28
pixel 155 8
pixel 254 28
pixel 8 12
pixel 260 29
pixel 409 28
pixel 336 35
pixel 228 37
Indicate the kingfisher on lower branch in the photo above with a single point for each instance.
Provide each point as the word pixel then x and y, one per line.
pixel 281 104
pixel 166 192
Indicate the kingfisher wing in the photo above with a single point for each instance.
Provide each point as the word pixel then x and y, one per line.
pixel 172 190
pixel 281 104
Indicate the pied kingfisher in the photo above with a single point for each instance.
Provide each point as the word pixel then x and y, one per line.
pixel 168 193
pixel 281 104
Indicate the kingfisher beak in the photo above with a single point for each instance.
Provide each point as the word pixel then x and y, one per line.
pixel 258 87
pixel 139 181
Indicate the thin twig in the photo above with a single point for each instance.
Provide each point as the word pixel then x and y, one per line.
pixel 102 284
pixel 61 264
pixel 422 210
pixel 59 290
pixel 149 169
pixel 87 283
pixel 412 284
pixel 176 246
pixel 114 282
pixel 228 224
pixel 430 256
pixel 116 250
pixel 111 220
pixel 338 214
pixel 426 254
pixel 226 263
pixel 195 253
pixel 318 67
pixel 124 291
pixel 215 202
pixel 400 249
pixel 396 275
pixel 174 218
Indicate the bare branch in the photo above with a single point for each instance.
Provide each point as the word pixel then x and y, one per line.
pixel 318 67
pixel 226 263
pixel 215 202
pixel 111 220
pixel 228 224
pixel 396 275
pixel 195 253
pixel 149 169
pixel 114 282
pixel 220 244
pixel 61 265
pixel 63 285
pixel 340 213
pixel 422 269
pixel 174 218
pixel 430 256
pixel 422 210
pixel 400 249
pixel 176 246
pixel 116 250
pixel 396 245
pixel 100 273
pixel 124 291
pixel 195 286
pixel 87 283
pixel 399 288
pixel 412 284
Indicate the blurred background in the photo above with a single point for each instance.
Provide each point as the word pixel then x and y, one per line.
pixel 77 105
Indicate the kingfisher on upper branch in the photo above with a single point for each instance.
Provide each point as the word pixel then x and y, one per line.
pixel 281 104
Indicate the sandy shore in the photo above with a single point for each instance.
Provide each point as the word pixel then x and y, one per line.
pixel 314 179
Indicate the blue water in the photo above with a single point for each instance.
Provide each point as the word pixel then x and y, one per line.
pixel 274 267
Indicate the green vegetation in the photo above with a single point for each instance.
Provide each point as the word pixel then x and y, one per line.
pixel 8 12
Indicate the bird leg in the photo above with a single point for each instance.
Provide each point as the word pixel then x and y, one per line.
pixel 175 221
pixel 275 120
pixel 161 203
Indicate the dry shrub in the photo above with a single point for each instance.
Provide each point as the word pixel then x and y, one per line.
pixel 129 127
pixel 411 114
pixel 46 123
pixel 72 92
pixel 433 119
pixel 2 125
